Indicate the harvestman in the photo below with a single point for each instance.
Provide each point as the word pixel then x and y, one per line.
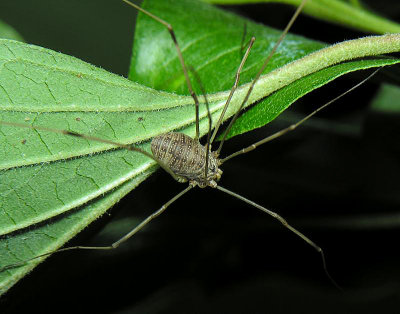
pixel 184 158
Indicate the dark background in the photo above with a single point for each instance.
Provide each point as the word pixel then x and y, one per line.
pixel 335 179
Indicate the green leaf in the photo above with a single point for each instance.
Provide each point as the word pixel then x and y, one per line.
pixel 7 32
pixel 157 66
pixel 336 11
pixel 52 186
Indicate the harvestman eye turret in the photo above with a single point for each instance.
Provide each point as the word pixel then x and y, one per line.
pixel 183 157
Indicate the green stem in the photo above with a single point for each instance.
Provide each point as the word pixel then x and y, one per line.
pixel 335 11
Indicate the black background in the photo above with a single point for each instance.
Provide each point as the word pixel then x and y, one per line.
pixel 335 179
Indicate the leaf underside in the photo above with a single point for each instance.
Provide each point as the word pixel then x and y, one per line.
pixel 52 186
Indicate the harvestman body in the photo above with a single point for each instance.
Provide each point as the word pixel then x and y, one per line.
pixel 184 157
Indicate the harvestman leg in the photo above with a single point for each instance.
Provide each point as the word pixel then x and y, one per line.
pixel 253 83
pixel 129 147
pixel 286 225
pixel 295 125
pixel 272 213
pixel 117 243
pixel 233 89
pixel 178 50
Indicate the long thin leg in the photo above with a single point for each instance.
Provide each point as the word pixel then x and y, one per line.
pixel 294 126
pixel 116 244
pixel 96 139
pixel 285 31
pixel 285 224
pixel 234 87
pixel 197 77
pixel 178 49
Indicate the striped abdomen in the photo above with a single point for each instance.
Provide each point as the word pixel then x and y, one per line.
pixel 185 156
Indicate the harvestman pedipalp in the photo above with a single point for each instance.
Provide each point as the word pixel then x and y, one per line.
pixel 207 172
